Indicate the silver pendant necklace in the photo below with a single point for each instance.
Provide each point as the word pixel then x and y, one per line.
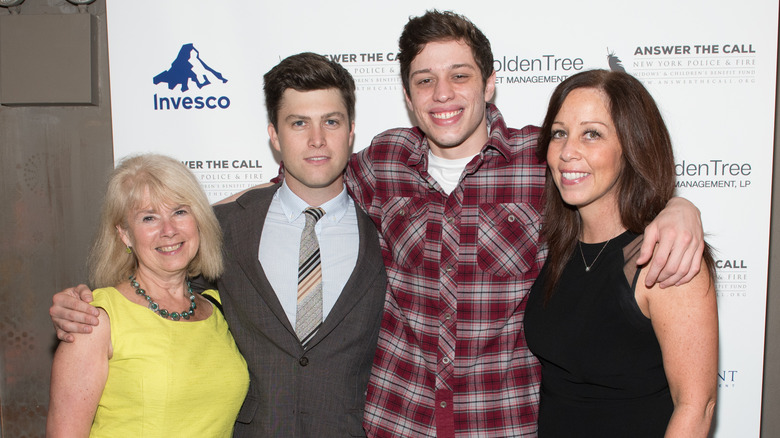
pixel 587 267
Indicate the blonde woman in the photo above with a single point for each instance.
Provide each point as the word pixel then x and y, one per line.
pixel 161 362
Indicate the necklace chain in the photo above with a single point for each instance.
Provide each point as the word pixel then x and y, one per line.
pixel 587 267
pixel 186 314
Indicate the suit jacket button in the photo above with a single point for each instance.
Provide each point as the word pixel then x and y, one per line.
pixel 303 361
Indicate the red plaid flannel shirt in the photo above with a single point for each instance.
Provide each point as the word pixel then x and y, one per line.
pixel 452 358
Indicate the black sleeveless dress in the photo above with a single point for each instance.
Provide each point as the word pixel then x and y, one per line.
pixel 602 371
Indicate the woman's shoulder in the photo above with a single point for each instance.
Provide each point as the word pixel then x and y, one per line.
pixel 213 293
pixel 212 296
pixel 700 290
pixel 104 295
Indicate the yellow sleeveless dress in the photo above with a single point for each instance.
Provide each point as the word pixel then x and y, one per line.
pixel 168 378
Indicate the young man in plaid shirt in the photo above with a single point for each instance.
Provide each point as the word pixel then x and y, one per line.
pixel 457 201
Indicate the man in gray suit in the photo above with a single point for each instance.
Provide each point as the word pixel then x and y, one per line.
pixel 316 387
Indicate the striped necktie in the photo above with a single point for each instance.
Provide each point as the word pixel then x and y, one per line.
pixel 308 315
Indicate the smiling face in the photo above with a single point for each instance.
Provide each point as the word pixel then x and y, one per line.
pixel 314 136
pixel 447 96
pixel 585 155
pixel 164 239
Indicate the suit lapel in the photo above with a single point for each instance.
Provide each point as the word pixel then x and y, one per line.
pixel 255 210
pixel 369 264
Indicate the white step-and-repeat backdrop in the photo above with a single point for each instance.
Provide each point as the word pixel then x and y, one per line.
pixel 710 66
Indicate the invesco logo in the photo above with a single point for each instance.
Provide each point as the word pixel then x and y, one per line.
pixel 199 102
pixel 189 69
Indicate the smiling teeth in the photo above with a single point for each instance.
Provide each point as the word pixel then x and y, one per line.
pixel 574 175
pixel 446 115
pixel 170 248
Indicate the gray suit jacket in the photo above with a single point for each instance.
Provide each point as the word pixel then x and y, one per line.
pixel 319 392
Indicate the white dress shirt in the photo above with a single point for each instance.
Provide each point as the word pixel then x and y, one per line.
pixel 337 233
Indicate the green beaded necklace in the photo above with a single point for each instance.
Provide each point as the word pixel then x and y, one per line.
pixel 162 312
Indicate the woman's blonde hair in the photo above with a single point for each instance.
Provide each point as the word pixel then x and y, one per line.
pixel 168 183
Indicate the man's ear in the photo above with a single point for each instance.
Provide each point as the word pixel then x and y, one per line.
pixel 352 135
pixel 490 87
pixel 408 101
pixel 274 137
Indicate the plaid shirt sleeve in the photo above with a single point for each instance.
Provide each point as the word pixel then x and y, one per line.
pixel 452 358
pixel 359 178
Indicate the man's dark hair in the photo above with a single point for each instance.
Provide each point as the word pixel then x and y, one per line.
pixel 307 72
pixel 437 26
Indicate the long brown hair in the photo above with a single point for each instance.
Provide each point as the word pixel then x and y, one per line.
pixel 646 182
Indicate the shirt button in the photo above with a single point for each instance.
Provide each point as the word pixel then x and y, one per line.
pixel 447 316
pixel 446 360
pixel 303 361
pixel 449 219
pixel 401 212
pixel 443 404
pixel 511 218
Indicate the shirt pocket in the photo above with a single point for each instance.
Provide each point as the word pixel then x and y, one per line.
pixel 403 228
pixel 508 238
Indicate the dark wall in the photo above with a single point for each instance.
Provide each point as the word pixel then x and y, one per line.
pixel 54 164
